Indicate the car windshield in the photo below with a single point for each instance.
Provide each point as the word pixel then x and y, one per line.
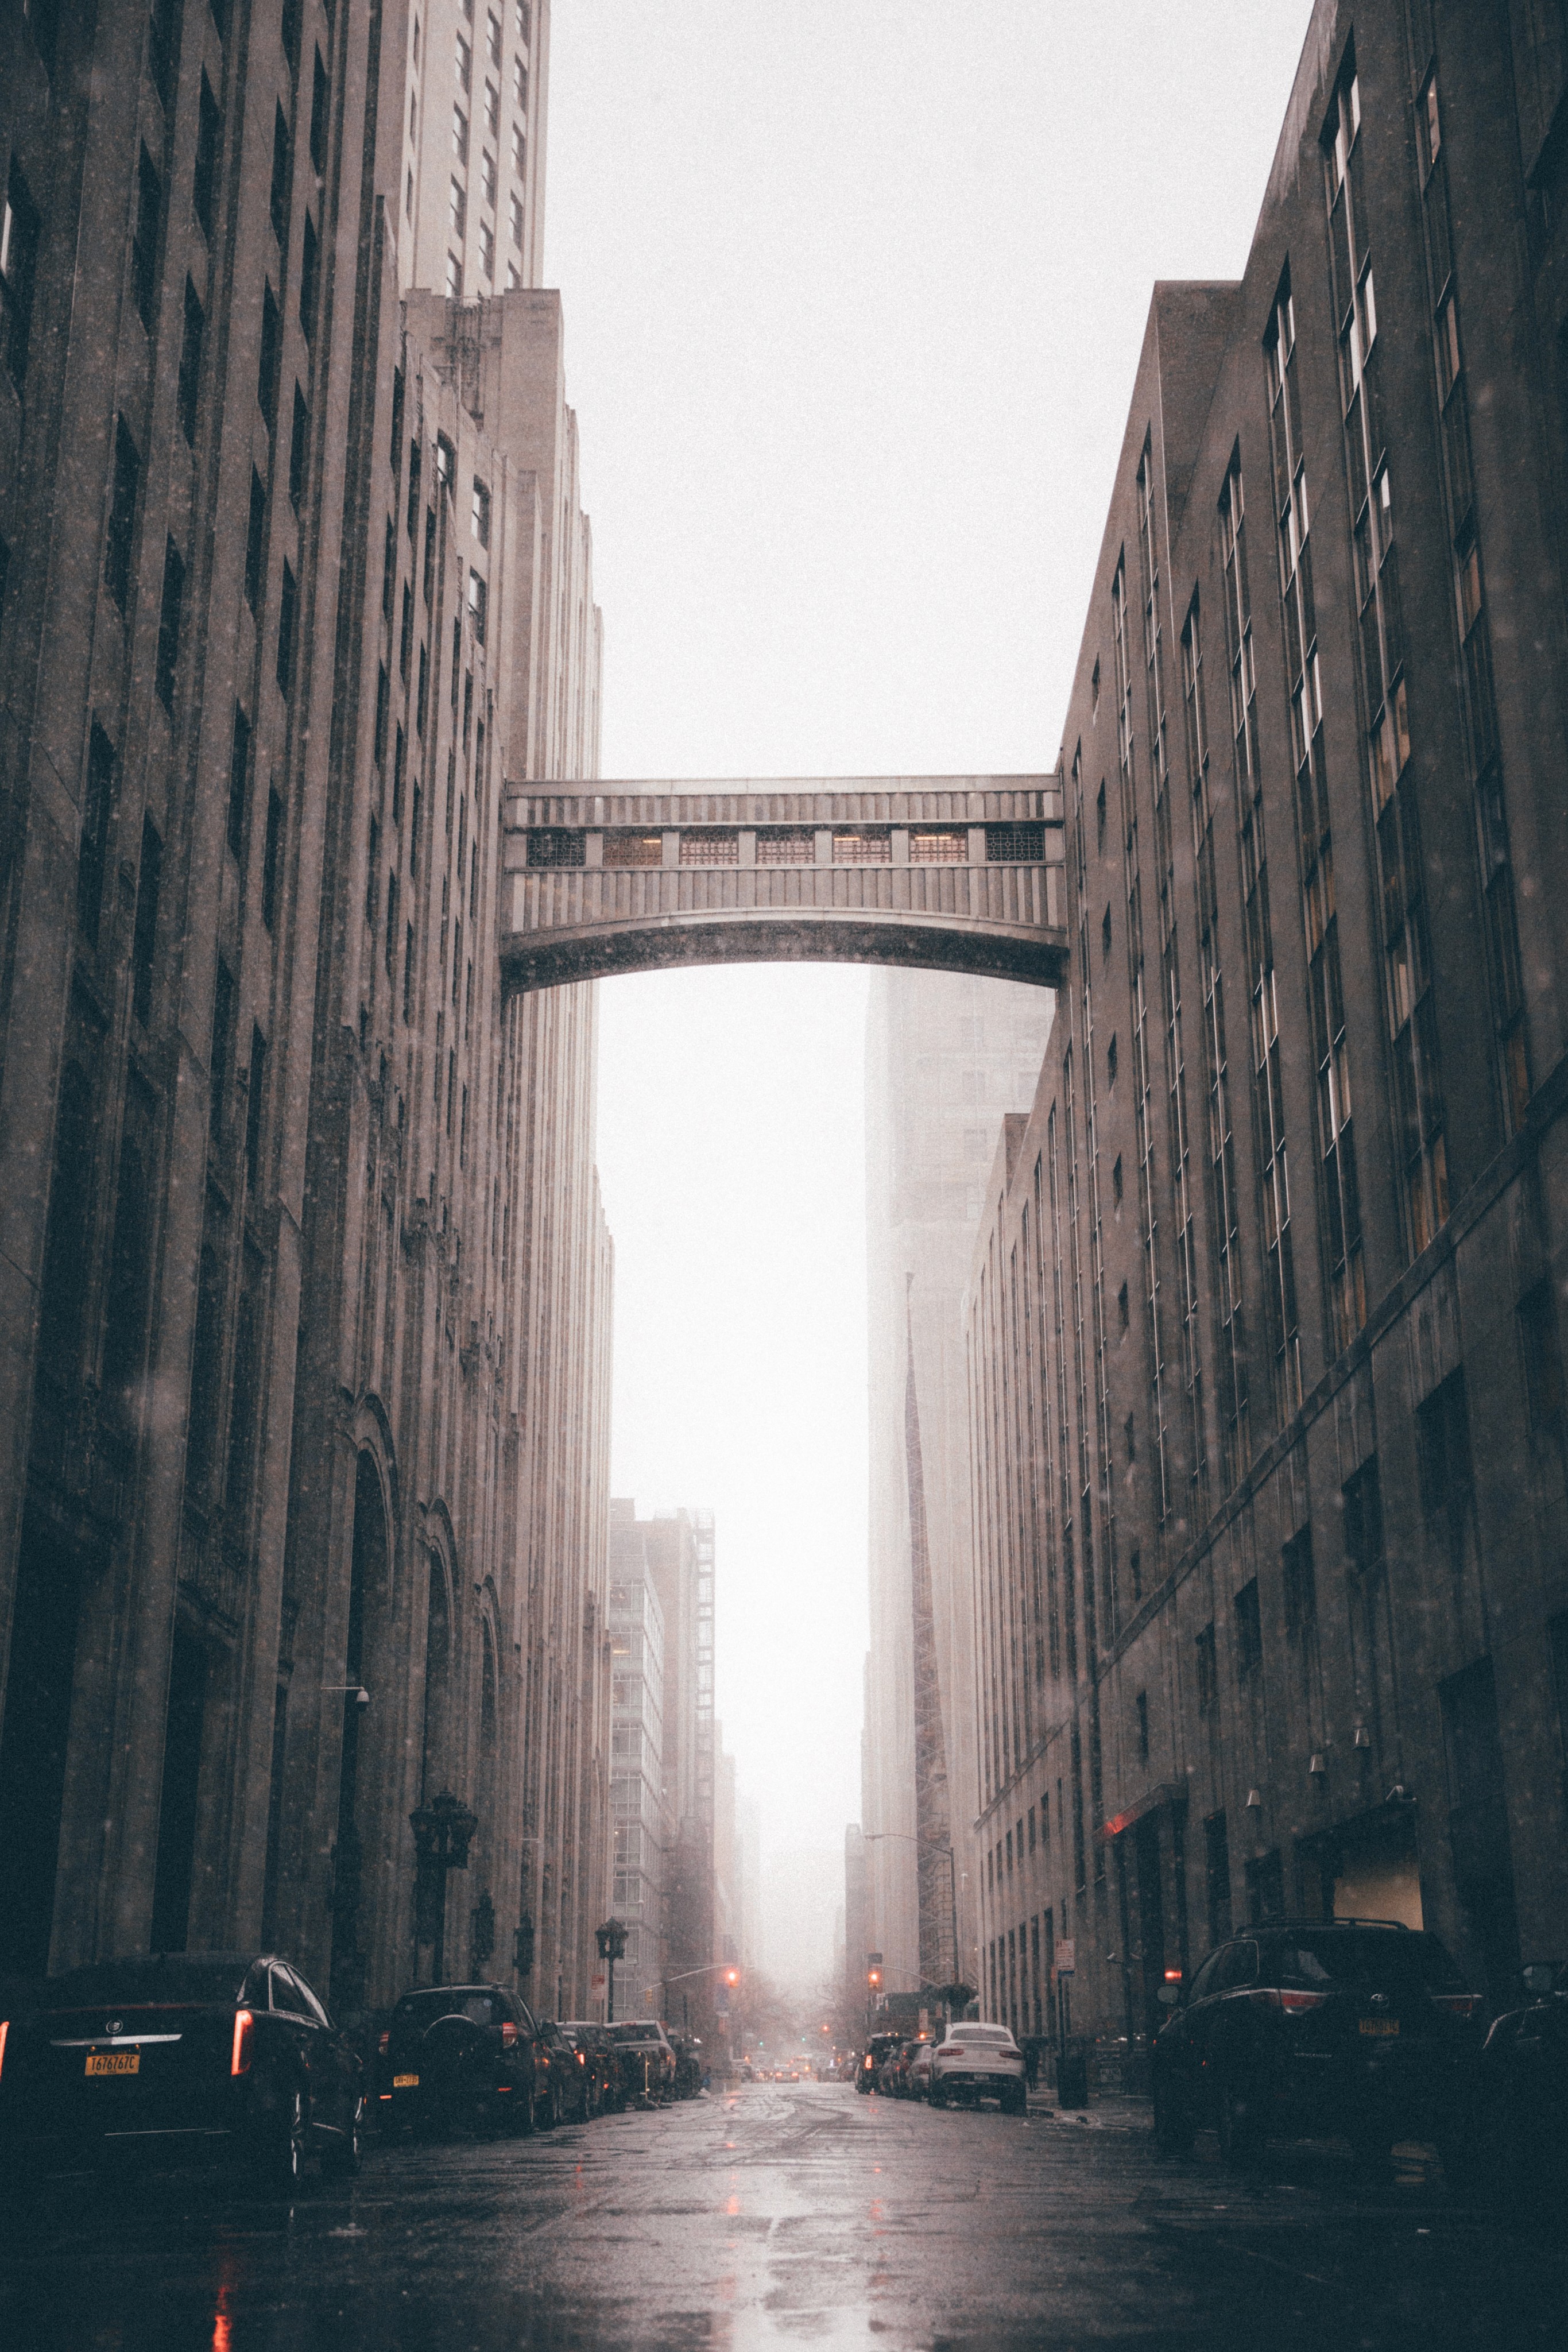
pixel 1383 1958
pixel 638 2029
pixel 214 1976
pixel 980 2034
pixel 423 2009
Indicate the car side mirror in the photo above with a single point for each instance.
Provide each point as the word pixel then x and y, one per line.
pixel 1540 1978
pixel 1168 1996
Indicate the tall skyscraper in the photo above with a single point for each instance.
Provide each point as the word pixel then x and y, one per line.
pixel 470 209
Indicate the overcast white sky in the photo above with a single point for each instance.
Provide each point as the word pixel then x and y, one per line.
pixel 853 299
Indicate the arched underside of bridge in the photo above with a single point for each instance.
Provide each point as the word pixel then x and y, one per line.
pixel 552 959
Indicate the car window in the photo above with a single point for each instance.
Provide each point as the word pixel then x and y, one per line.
pixel 285 1996
pixel 1203 1982
pixel 308 2001
pixel 1382 1958
pixel 253 1993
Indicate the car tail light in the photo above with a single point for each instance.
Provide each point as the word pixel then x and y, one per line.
pixel 1295 2005
pixel 245 2032
pixel 4 2030
pixel 1457 2004
pixel 383 2041
pixel 954 2050
pixel 508 2033
pixel 868 2065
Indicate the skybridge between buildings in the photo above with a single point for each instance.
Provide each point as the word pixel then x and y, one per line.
pixel 948 873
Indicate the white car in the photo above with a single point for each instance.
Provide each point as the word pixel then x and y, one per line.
pixel 979 2062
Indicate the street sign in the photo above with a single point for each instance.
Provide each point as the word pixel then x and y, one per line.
pixel 1064 1967
pixel 596 1984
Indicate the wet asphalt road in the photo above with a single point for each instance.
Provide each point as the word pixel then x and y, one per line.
pixel 779 2215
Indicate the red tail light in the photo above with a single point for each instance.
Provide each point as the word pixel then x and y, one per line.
pixel 868 2065
pixel 244 2033
pixel 383 2041
pixel 508 2033
pixel 4 2030
pixel 1457 2004
pixel 1294 2003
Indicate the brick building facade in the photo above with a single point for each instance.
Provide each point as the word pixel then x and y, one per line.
pixel 1263 1321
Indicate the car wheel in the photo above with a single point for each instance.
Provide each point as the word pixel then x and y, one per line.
pixel 1173 2123
pixel 937 2096
pixel 1015 2100
pixel 1239 2137
pixel 341 2160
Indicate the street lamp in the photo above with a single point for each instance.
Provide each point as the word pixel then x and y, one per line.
pixel 443 1831
pixel 611 1941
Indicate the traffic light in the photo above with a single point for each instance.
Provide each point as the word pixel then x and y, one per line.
pixel 732 1976
pixel 873 1980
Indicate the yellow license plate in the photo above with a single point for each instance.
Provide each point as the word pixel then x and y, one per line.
pixel 1380 2025
pixel 405 2082
pixel 114 2062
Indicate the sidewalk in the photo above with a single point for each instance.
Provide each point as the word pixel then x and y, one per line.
pixel 1110 2110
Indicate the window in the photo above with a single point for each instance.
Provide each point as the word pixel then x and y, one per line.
pixel 1248 1632
pixel 1300 1584
pixel 144 937
pixel 254 541
pixel 310 278
pixel 144 244
pixel 464 64
pixel 1105 936
pixel 399 755
pixel 487 250
pixel 556 847
pixel 458 209
pixel 1362 1499
pixel 218 1065
pixel 1123 1312
pixel 205 184
pixel 1140 1707
pixel 1015 845
pixel 710 848
pixel 254 1101
pixel 97 801
pixel 1543 1362
pixel 384 709
pixel 121 515
pixel 289 33
pixel 460 134
pixel 493 37
pixel 1443 1445
pixel 519 151
pixel 945 845
pixel 1111 1064
pixel 287 600
pixel 515 220
pixel 446 461
pixel 318 116
pixel 520 13
pixel 520 85
pixel 1207 1672
pixel 1216 1876
pixel 629 849
pixel 161 37
pixel 488 177
pixel 271 855
pixel 794 846
pixel 1130 1439
pixel 278 199
pixel 271 358
pixel 478 605
pixel 191 362
pixel 239 777
pixel 1099 800
pixel 171 613
pixel 867 848
pixel 300 450
pixel 405 634
pixel 1116 1180
pixel 21 230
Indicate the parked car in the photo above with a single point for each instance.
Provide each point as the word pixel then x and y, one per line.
pixel 1357 2027
pixel 1512 2150
pixel 466 2054
pixel 895 2069
pixel 876 2050
pixel 179 2057
pixel 918 2082
pixel 604 2066
pixel 978 2060
pixel 647 2057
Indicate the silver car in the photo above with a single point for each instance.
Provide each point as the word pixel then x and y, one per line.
pixel 975 2062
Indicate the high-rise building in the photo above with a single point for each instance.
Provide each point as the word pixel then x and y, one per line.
pixel 945 1057
pixel 470 202
pixel 304 1304
pixel 636 1790
pixel 1265 1312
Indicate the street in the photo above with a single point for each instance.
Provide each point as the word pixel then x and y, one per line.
pixel 782 2215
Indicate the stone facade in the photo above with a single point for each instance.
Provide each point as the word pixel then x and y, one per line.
pixel 1266 1381
pixel 305 1298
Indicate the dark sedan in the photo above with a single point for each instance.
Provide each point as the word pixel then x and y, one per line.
pixel 176 2058
pixel 474 2055
pixel 593 2042
pixel 1356 2027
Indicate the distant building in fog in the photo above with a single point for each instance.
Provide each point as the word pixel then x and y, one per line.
pixel 945 1056
pixel 636 1747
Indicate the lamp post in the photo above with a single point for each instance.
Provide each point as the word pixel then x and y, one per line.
pixel 443 1831
pixel 611 1941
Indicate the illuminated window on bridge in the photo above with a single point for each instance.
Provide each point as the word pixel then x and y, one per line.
pixel 1015 845
pixel 633 849
pixel 794 846
pixel 863 848
pixel 943 844
pixel 555 848
pixel 710 848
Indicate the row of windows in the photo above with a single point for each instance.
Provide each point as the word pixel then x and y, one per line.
pixel 790 844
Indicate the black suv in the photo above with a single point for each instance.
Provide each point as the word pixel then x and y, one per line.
pixel 878 2051
pixel 1357 2027
pixel 468 2053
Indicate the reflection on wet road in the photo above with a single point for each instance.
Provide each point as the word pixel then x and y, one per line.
pixel 777 2216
